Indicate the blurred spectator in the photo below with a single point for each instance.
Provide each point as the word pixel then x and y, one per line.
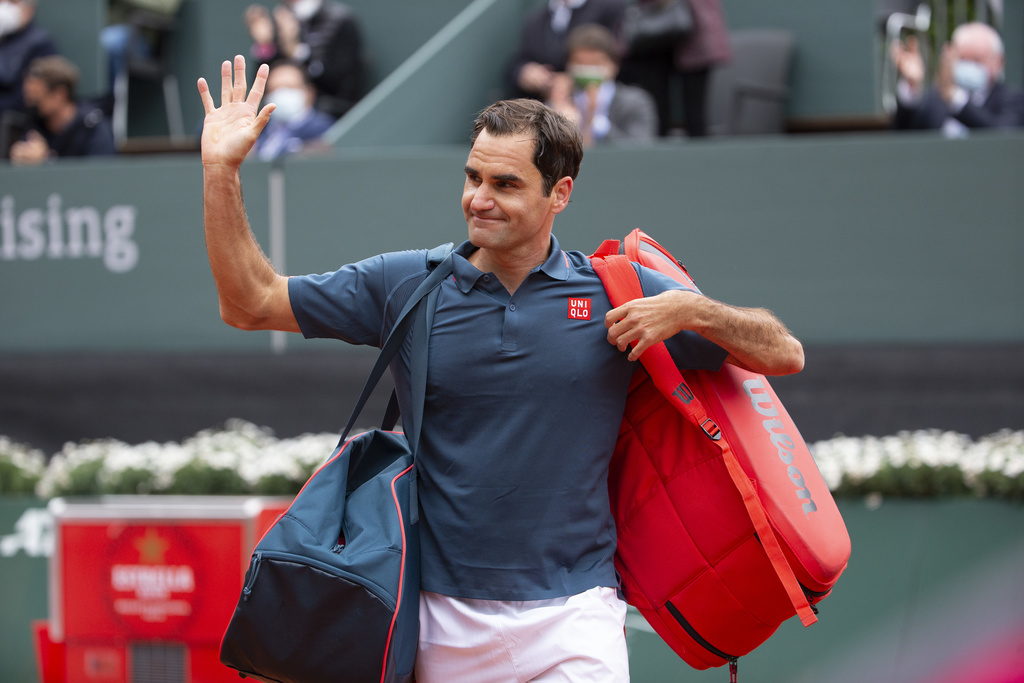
pixel 321 35
pixel 541 52
pixel 64 129
pixel 705 47
pixel 968 91
pixel 295 123
pixel 127 33
pixel 21 41
pixel 604 110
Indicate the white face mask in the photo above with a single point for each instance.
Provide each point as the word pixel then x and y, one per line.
pixel 291 103
pixel 10 18
pixel 970 75
pixel 305 9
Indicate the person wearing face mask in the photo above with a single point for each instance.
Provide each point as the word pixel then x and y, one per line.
pixel 321 35
pixel 968 91
pixel 21 42
pixel 65 128
pixel 541 53
pixel 295 123
pixel 604 110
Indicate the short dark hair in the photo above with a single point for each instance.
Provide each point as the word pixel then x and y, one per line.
pixel 56 72
pixel 593 37
pixel 559 146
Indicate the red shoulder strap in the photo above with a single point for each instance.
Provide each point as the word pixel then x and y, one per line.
pixel 623 284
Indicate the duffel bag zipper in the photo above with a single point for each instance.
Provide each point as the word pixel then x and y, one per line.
pixel 259 557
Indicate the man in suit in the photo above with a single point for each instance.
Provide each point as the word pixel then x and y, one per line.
pixel 541 53
pixel 588 94
pixel 968 91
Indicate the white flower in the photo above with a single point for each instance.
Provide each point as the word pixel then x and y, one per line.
pixel 254 453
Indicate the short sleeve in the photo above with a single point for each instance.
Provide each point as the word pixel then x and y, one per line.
pixel 353 303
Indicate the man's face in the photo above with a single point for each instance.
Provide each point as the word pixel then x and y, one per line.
pixel 503 199
pixel 289 77
pixel 975 46
pixel 14 14
pixel 592 62
pixel 38 95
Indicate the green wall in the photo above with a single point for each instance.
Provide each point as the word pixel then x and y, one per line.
pixel 857 239
pixel 930 586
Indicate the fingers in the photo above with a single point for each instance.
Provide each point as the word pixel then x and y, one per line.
pixel 232 84
pixel 258 85
pixel 204 95
pixel 225 83
pixel 238 95
pixel 263 117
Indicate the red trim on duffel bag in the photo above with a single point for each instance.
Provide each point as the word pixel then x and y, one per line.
pixel 401 575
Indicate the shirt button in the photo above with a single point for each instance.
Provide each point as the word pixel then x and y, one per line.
pixel 511 307
pixel 487 278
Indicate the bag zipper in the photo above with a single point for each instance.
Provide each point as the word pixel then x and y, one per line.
pixel 696 636
pixel 258 557
pixel 254 569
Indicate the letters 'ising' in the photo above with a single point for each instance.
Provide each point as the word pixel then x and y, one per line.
pixel 72 232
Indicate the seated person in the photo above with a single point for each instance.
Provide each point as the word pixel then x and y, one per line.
pixel 604 110
pixel 541 52
pixel 321 35
pixel 63 128
pixel 968 91
pixel 295 123
pixel 21 41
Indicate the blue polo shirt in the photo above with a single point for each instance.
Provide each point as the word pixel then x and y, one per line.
pixel 524 400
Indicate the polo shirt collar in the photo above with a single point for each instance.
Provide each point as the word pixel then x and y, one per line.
pixel 466 274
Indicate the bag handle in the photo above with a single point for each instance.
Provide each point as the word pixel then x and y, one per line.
pixel 623 284
pixel 429 289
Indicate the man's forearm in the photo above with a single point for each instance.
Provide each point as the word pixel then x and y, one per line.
pixel 241 270
pixel 754 337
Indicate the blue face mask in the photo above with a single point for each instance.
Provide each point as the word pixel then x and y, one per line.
pixel 969 75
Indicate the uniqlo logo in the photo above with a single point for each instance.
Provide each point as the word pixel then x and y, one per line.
pixel 579 309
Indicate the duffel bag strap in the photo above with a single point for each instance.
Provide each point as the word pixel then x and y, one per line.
pixel 395 340
pixel 623 284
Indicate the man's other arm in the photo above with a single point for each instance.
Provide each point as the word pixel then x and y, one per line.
pixel 754 338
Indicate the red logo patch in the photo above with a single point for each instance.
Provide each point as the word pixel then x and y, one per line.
pixel 579 309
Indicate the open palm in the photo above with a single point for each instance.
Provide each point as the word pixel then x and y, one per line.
pixel 230 131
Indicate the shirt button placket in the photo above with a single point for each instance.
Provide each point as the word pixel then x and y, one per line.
pixel 508 333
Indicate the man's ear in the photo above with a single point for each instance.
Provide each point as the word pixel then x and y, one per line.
pixel 560 194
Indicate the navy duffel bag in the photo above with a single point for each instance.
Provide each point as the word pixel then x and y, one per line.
pixel 332 590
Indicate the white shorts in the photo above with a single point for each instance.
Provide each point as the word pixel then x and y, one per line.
pixel 580 638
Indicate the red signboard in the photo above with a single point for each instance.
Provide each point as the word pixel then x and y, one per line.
pixel 142 588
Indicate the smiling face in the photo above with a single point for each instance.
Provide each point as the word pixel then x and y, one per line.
pixel 508 215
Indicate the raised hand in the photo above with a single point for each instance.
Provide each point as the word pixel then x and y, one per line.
pixel 909 62
pixel 230 131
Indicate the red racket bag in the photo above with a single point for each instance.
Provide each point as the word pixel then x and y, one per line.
pixel 725 526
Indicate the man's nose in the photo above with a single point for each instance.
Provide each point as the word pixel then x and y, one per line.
pixel 482 198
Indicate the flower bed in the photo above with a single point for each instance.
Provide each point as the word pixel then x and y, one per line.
pixel 242 458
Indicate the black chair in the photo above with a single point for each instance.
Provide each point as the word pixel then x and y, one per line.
pixel 158 30
pixel 749 95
